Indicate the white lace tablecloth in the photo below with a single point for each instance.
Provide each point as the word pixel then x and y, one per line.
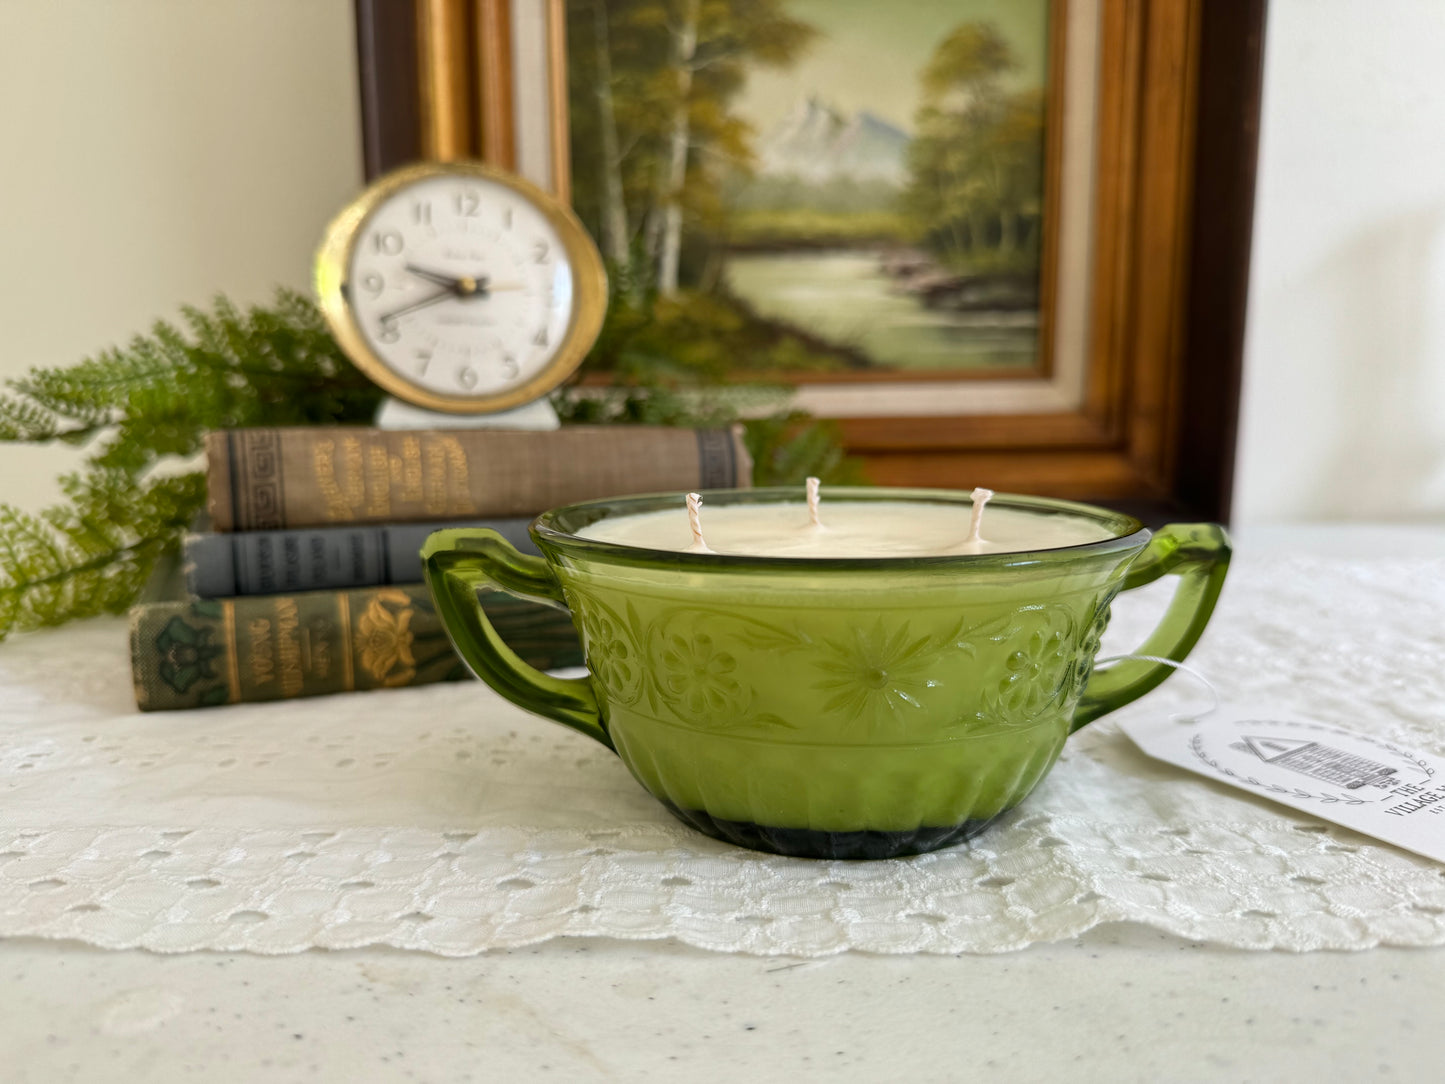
pixel 444 820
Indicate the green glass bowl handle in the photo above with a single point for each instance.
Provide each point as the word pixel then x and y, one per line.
pixel 1198 553
pixel 457 564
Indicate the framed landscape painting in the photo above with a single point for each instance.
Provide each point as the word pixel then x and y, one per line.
pixel 861 184
pixel 1002 242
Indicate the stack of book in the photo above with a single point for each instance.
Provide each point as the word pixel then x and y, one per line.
pixel 307 578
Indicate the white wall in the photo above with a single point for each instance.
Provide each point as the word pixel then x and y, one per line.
pixel 1344 397
pixel 152 153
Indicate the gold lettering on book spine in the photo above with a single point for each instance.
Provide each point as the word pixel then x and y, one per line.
pixel 434 478
pixel 261 658
pixel 323 466
pixel 288 647
pixel 351 475
pixel 458 480
pixel 406 472
pixel 426 475
pixel 353 482
pixel 444 479
pixel 343 492
pixel 378 482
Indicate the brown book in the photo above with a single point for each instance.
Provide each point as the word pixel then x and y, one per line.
pixel 271 479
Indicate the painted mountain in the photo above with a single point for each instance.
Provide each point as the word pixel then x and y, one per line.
pixel 821 177
pixel 817 143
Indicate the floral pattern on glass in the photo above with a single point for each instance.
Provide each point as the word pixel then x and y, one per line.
pixel 686 664
pixel 1038 669
pixel 699 675
pixel 610 647
pixel 876 668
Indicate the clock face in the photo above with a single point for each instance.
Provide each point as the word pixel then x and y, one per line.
pixel 461 288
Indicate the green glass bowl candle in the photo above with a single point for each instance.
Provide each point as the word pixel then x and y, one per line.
pixel 830 707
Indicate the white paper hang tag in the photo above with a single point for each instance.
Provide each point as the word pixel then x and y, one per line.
pixel 1362 782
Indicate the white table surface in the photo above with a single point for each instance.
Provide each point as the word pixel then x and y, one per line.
pixel 1120 1004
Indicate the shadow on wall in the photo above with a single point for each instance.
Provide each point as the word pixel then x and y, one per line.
pixel 1350 371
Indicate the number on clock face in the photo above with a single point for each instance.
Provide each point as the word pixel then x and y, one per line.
pixel 461 286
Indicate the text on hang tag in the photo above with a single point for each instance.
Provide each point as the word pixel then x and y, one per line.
pixel 1369 784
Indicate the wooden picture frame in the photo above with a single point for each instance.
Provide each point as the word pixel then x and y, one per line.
pixel 1175 136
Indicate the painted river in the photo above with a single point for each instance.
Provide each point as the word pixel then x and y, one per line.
pixel 843 296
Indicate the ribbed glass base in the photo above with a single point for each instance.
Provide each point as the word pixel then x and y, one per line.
pixel 811 843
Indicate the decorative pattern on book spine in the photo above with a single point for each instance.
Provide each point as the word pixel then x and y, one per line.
pixel 257 493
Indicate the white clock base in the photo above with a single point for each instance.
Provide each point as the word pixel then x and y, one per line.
pixel 536 415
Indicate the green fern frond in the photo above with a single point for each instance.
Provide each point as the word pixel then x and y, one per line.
pixel 787 448
pixel 93 555
pixel 56 570
pixel 24 420
pixel 145 404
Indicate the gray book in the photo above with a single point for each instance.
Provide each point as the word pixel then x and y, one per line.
pixel 318 558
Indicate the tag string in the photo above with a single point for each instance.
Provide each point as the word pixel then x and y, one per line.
pixel 1177 665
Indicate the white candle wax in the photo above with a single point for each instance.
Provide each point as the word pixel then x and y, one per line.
pixel 852 529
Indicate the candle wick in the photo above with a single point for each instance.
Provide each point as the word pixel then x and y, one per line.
pixel 981 497
pixel 812 485
pixel 694 519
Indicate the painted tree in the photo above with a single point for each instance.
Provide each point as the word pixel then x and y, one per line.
pixel 613 210
pixel 977 159
pixel 712 43
pixel 652 82
pixel 597 154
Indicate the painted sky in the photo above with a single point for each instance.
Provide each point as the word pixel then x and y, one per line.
pixel 870 53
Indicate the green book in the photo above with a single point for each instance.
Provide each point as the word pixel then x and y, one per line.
pixel 200 652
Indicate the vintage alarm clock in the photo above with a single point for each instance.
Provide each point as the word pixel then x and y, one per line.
pixel 461 288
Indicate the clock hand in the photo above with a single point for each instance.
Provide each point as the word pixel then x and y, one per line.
pixel 449 281
pixel 461 285
pixel 431 299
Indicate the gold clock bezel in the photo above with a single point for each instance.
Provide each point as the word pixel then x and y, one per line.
pixel 589 287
